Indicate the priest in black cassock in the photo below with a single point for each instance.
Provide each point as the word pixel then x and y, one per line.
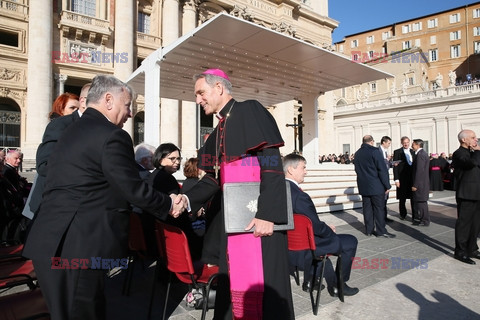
pixel 245 129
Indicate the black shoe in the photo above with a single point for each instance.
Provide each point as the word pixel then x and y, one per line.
pixel 388 220
pixel 402 217
pixel 307 284
pixel 386 235
pixel 464 259
pixel 347 291
pixel 475 255
pixel 415 223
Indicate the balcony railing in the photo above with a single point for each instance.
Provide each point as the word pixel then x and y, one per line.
pixel 473 88
pixel 16 7
pixel 81 19
pixel 148 41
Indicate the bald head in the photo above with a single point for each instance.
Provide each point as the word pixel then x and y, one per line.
pixel 467 139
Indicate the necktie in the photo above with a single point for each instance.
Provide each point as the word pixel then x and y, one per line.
pixel 408 156
pixel 386 156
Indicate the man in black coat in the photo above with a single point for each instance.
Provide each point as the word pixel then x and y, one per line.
pixel 402 174
pixel 373 183
pixel 421 184
pixel 326 240
pixel 466 164
pixel 81 229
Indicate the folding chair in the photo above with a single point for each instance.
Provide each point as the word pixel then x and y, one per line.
pixel 173 246
pixel 302 238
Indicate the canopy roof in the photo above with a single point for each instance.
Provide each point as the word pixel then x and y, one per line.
pixel 262 64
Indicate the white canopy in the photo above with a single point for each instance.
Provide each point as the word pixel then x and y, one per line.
pixel 262 64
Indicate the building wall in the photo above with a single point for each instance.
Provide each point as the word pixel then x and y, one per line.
pixel 415 101
pixel 86 43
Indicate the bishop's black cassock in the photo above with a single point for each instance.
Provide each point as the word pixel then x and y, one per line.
pixel 247 129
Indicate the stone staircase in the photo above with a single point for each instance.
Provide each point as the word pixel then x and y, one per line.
pixel 333 187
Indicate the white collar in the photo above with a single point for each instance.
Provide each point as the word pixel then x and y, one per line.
pixel 292 181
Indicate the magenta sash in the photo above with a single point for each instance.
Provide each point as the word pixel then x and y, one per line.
pixel 244 251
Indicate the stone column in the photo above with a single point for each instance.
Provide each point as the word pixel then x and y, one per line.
pixel 310 130
pixel 190 128
pixel 60 79
pixel 39 75
pixel 169 108
pixel 125 39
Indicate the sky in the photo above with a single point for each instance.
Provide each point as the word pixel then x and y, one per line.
pixel 359 16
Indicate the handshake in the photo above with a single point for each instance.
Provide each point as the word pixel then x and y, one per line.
pixel 179 204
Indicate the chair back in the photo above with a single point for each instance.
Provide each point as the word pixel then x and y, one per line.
pixel 173 246
pixel 136 236
pixel 301 237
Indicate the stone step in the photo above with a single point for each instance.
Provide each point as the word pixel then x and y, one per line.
pixel 333 187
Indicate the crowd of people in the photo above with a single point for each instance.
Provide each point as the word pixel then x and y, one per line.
pixel 344 158
pixel 90 178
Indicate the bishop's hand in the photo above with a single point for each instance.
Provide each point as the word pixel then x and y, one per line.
pixel 263 228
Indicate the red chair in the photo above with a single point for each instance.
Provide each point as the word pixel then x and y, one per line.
pixel 302 238
pixel 17 272
pixel 11 252
pixel 173 247
pixel 137 248
pixel 28 304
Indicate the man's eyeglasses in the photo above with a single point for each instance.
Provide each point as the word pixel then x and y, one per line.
pixel 173 159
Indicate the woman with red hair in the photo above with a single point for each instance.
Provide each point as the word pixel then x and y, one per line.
pixel 65 104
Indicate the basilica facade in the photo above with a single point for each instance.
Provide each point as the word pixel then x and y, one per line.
pixel 51 47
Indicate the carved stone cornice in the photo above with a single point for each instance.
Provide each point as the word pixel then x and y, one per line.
pixel 10 75
pixel 84 28
pixel 243 13
pixel 13 94
pixel 282 27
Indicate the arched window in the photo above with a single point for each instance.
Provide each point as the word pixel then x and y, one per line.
pixel 139 128
pixel 10 119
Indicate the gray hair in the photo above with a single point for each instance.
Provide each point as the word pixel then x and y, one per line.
pixel 143 150
pixel 292 160
pixel 102 84
pixel 211 79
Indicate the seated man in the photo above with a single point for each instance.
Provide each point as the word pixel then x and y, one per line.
pixel 326 240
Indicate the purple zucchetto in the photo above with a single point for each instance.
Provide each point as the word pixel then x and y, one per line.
pixel 217 72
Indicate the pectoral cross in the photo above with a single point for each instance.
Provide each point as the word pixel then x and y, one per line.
pixel 295 132
pixel 216 167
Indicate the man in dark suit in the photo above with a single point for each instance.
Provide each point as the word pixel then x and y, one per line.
pixel 421 184
pixel 81 229
pixel 384 149
pixel 402 174
pixel 466 164
pixel 373 183
pixel 326 240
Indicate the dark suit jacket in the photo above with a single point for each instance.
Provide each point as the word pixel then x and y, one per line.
pixel 91 180
pixel 372 174
pixel 421 177
pixel 53 132
pixel 466 166
pixel 403 173
pixel 325 239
